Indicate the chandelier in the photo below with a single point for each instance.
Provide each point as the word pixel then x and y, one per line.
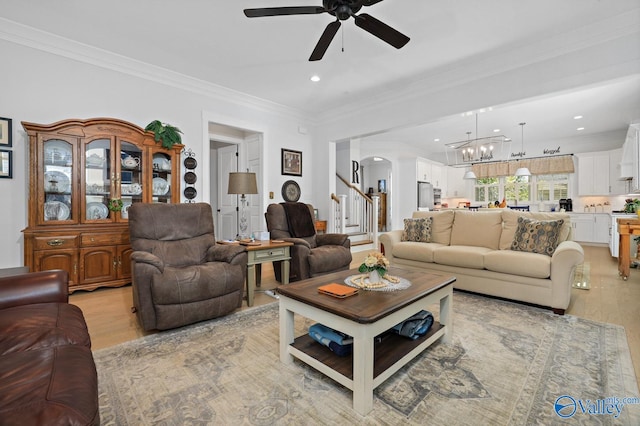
pixel 469 151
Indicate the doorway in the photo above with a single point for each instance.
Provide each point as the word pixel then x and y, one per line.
pixel 376 178
pixel 234 149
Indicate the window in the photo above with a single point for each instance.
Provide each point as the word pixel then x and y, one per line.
pixel 487 189
pixel 517 188
pixel 552 187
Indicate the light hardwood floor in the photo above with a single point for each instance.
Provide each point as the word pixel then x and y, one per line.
pixel 610 299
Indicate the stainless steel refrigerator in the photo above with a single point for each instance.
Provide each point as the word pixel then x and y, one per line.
pixel 425 196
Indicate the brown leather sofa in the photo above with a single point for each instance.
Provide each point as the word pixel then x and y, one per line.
pixel 312 254
pixel 180 275
pixel 47 372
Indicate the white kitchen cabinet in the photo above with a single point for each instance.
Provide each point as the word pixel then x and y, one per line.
pixel 436 175
pixel 602 228
pixel 424 170
pixel 593 174
pixel 456 185
pixel 590 227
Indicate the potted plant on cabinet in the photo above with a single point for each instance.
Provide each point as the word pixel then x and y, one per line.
pixel 168 134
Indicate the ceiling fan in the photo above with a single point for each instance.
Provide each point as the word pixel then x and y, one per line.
pixel 342 10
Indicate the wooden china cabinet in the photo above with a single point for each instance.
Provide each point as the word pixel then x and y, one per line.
pixel 80 173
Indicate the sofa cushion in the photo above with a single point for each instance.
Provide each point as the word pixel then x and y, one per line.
pixel 480 229
pixel 421 252
pixel 537 236
pixel 463 256
pixel 42 325
pixel 510 224
pixel 440 226
pixel 518 263
pixel 418 230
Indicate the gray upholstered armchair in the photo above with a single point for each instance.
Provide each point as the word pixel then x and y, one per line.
pixel 312 254
pixel 180 274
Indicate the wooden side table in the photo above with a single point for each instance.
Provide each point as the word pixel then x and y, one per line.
pixel 267 251
pixel 321 226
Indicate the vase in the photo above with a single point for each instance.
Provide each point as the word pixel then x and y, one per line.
pixel 374 276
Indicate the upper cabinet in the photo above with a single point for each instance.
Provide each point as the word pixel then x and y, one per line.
pixel 84 175
pixel 598 173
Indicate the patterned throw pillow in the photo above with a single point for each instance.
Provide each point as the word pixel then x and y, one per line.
pixel 418 230
pixel 537 236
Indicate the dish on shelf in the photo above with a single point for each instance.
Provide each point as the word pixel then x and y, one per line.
pixel 55 181
pixel 94 160
pixel 160 186
pixel 56 210
pixel 131 189
pixel 58 153
pixel 97 211
pixel 124 213
pixel 161 163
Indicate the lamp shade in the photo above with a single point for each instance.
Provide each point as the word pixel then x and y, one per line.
pixel 469 175
pixel 523 171
pixel 242 183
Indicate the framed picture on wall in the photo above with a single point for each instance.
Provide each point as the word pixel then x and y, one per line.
pixel 6 164
pixel 5 132
pixel 291 162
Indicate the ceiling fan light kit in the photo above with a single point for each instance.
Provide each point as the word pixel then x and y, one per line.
pixel 342 10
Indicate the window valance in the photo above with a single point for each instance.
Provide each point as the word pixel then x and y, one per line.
pixel 537 166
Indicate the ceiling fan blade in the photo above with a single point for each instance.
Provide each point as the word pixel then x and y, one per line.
pixel 280 11
pixel 325 41
pixel 381 30
pixel 370 2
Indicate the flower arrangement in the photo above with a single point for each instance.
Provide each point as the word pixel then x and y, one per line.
pixel 375 261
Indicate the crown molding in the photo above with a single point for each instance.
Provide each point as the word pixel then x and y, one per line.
pixel 47 42
pixel 490 64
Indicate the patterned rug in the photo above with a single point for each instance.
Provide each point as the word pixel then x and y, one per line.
pixel 509 364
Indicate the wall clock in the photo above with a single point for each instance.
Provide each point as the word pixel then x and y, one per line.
pixel 290 191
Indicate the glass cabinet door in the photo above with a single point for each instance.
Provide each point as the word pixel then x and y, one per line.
pixel 161 178
pixel 131 166
pixel 98 179
pixel 57 180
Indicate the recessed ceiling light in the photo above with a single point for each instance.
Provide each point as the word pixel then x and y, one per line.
pixel 315 78
pixel 377 159
pixel 580 128
pixel 496 130
pixel 577 117
pixel 436 140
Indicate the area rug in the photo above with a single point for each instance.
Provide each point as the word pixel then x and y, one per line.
pixel 582 277
pixel 508 364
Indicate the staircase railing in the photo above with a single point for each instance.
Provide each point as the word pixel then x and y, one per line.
pixel 356 212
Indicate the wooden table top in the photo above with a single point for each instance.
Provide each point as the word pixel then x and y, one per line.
pixel 367 306
pixel 261 244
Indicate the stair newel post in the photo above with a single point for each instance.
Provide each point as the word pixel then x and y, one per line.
pixel 343 214
pixel 374 220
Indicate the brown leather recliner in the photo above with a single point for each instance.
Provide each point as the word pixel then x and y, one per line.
pixel 180 275
pixel 312 254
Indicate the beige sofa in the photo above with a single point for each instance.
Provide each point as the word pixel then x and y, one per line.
pixel 476 247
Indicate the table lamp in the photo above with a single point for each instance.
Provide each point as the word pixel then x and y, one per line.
pixel 242 183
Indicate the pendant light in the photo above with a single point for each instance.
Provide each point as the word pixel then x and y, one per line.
pixel 470 175
pixel 523 171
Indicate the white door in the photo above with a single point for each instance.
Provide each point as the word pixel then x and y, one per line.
pixel 227 228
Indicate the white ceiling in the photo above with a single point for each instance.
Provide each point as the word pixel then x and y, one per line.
pixel 266 58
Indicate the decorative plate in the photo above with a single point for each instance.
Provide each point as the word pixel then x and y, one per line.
pixel 291 191
pixel 190 163
pixel 190 193
pixel 190 178
pixel 56 210
pixel 361 281
pixel 97 211
pixel 160 186
pixel 56 182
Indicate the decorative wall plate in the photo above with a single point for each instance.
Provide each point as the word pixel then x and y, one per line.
pixel 190 163
pixel 291 191
pixel 190 193
pixel 190 178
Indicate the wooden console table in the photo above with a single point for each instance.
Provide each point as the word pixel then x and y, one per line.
pixel 626 228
